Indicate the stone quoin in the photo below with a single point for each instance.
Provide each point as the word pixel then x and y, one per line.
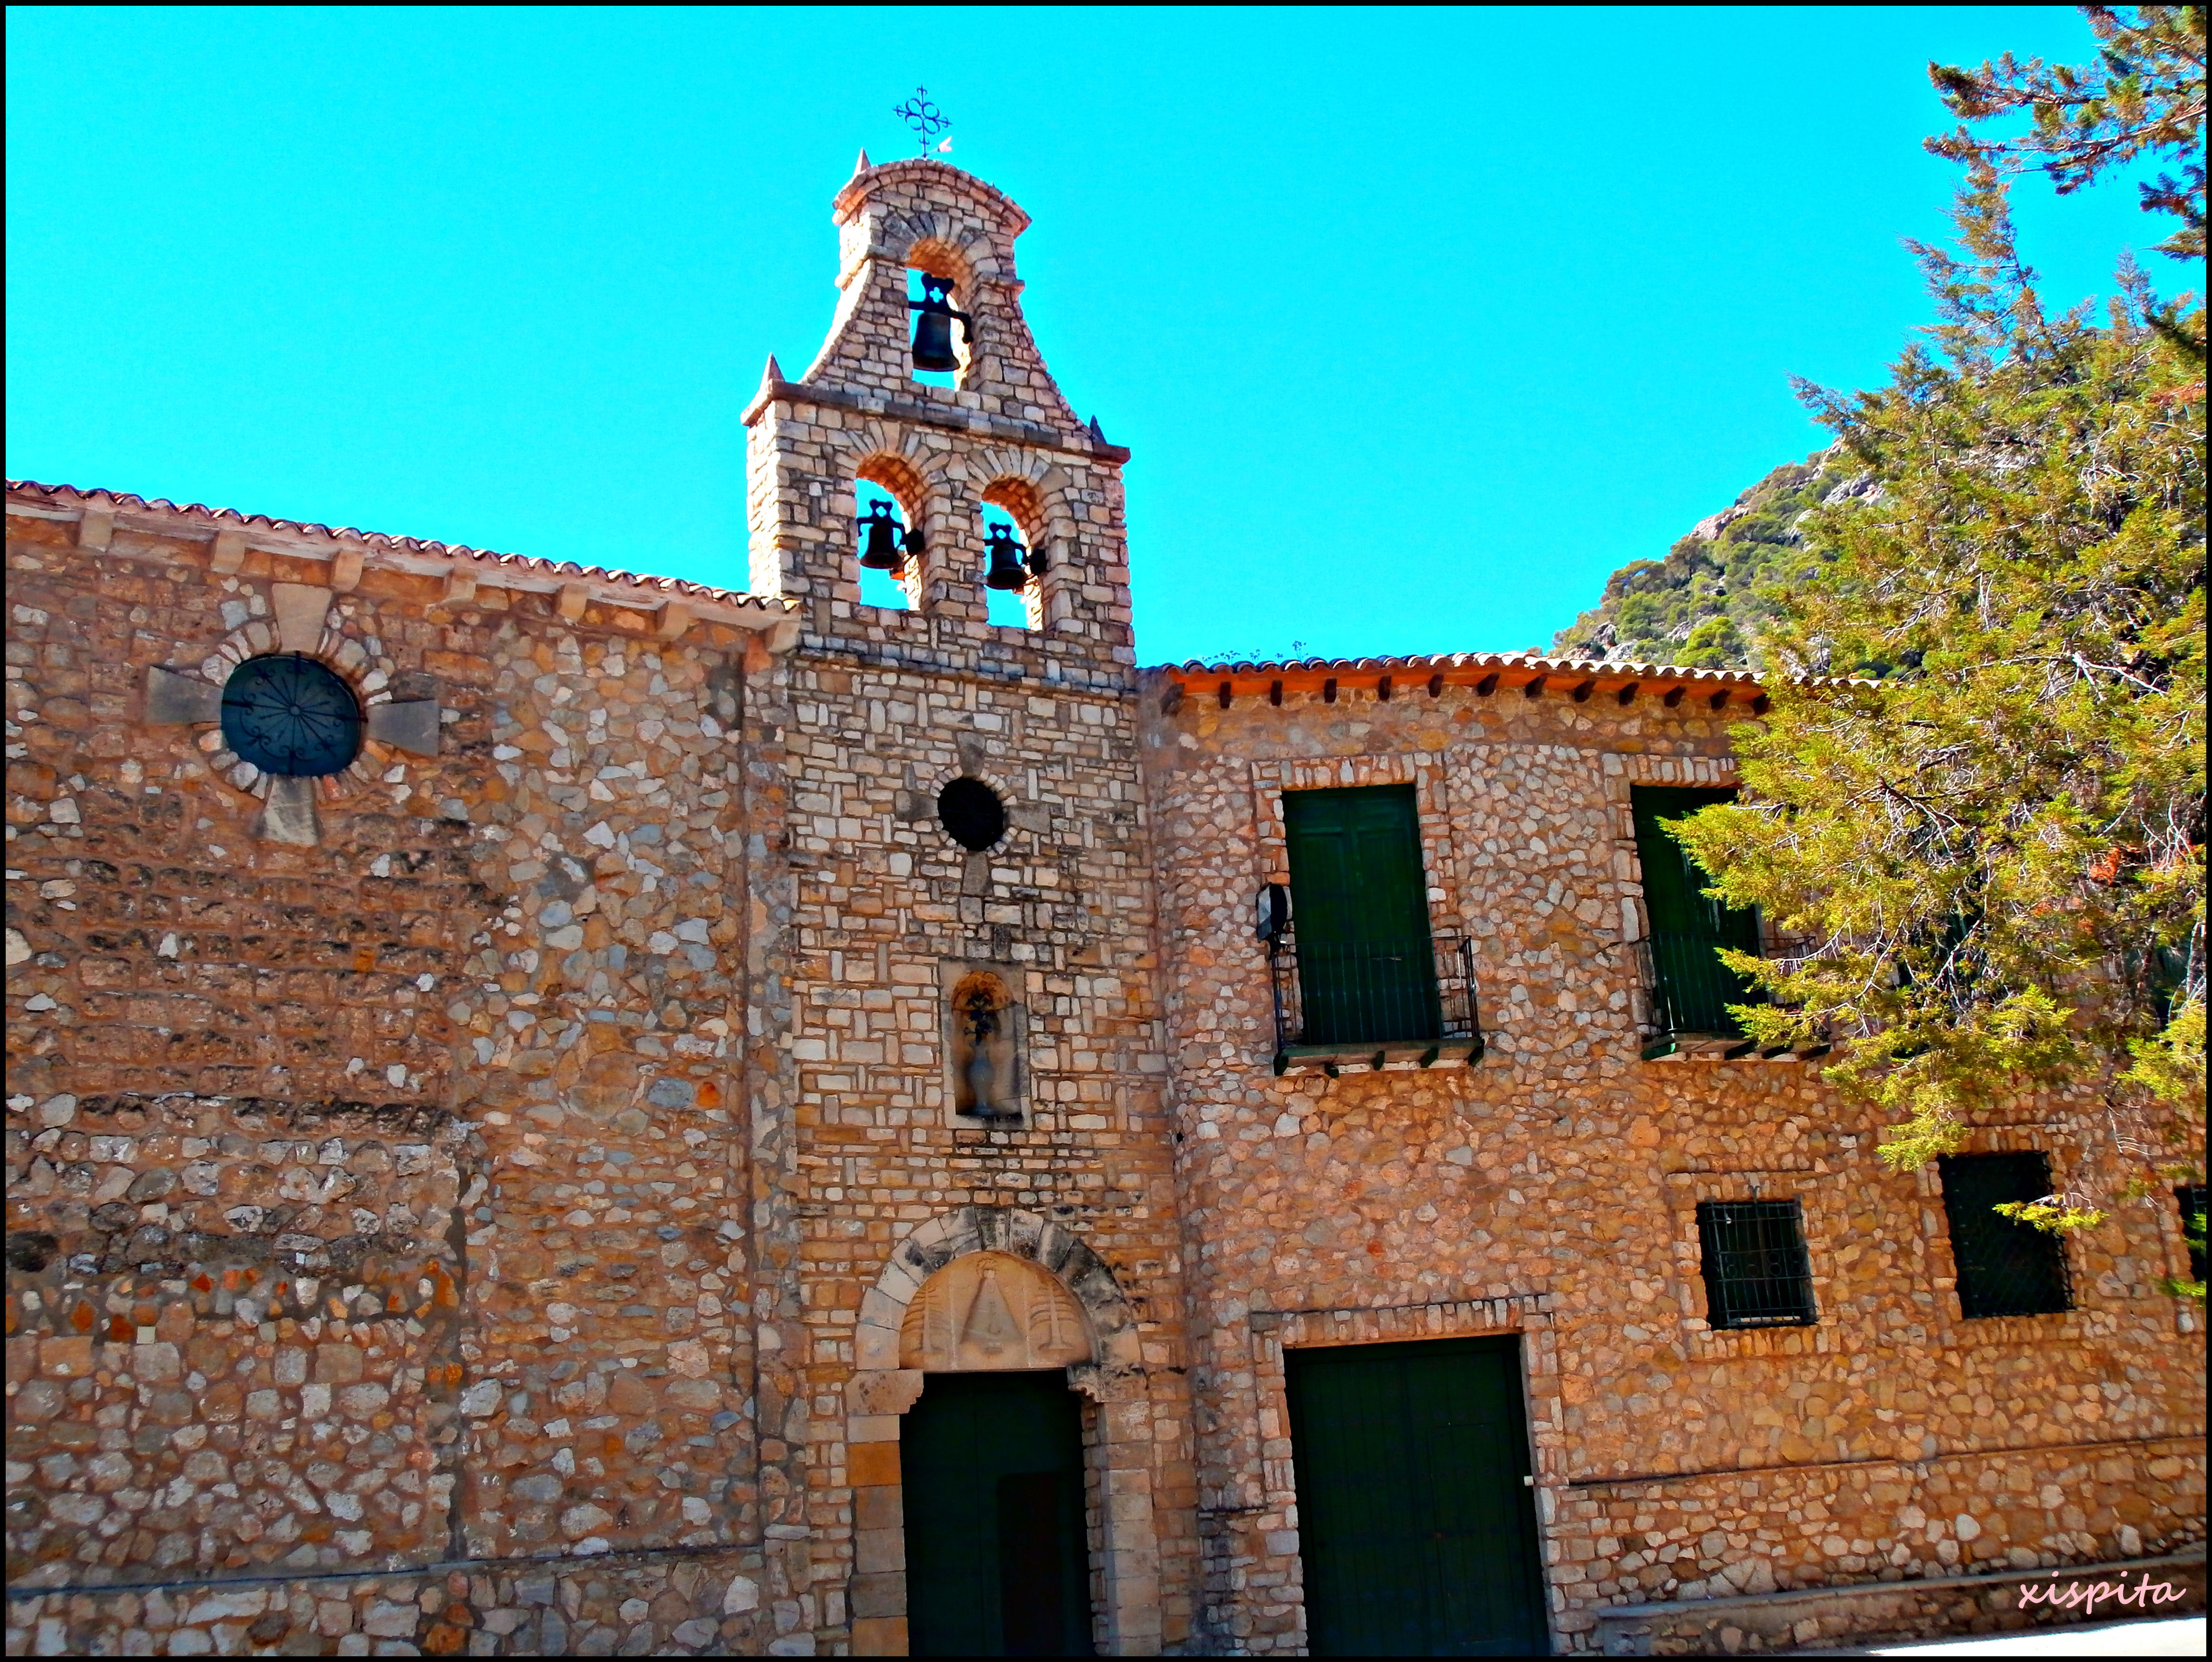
pixel 708 1122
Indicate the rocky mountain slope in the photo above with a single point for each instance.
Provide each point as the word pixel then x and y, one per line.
pixel 1698 605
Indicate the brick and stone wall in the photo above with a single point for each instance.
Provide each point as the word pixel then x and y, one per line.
pixel 1550 1190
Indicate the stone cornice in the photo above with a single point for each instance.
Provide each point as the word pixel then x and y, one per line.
pixel 951 418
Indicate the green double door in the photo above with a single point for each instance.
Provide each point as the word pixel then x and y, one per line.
pixel 1360 915
pixel 1417 1530
pixel 992 1465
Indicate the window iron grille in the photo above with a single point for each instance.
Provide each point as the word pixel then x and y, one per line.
pixel 1397 993
pixel 291 715
pixel 1756 1269
pixel 1689 987
pixel 2004 1268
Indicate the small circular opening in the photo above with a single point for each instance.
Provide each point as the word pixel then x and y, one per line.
pixel 972 814
pixel 291 717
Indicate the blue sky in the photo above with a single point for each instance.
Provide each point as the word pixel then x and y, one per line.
pixel 1419 323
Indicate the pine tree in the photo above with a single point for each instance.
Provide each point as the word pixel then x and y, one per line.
pixel 1982 806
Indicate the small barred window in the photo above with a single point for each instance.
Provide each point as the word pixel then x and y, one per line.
pixel 1757 1274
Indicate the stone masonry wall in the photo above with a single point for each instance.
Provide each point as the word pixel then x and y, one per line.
pixel 379 1201
pixel 1551 1190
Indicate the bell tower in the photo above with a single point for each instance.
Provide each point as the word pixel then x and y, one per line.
pixel 958 1060
pixel 926 271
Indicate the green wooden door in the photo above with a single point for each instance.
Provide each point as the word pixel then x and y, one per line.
pixel 1418 1534
pixel 1360 916
pixel 992 1465
pixel 1688 929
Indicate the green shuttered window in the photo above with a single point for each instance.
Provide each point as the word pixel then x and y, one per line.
pixel 1359 910
pixel 1690 988
pixel 2005 1268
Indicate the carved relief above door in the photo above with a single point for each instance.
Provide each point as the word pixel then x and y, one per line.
pixel 988 1310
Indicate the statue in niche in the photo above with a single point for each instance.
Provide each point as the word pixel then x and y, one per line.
pixel 984 1086
pixel 989 1311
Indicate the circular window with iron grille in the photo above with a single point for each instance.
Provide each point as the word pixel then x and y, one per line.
pixel 972 814
pixel 291 717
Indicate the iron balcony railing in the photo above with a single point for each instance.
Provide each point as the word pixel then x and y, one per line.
pixel 1396 994
pixel 1689 987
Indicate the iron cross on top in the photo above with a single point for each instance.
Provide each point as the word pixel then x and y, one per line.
pixel 925 118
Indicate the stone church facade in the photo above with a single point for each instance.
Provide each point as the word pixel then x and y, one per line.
pixel 605 1146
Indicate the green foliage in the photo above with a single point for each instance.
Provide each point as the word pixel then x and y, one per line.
pixel 2053 1217
pixel 1702 605
pixel 1980 807
pixel 2144 94
pixel 2182 1287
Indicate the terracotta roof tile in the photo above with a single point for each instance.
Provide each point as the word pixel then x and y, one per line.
pixel 199 512
pixel 1447 662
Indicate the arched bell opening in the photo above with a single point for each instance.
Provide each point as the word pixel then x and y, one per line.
pixel 1016 556
pixel 888 539
pixel 941 346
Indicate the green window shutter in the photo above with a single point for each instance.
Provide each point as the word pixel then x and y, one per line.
pixel 2005 1268
pixel 1688 929
pixel 1359 914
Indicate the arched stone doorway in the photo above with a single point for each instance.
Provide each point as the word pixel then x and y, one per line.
pixel 988 1289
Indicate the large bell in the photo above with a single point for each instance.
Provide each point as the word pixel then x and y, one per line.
pixel 932 341
pixel 1007 570
pixel 932 324
pixel 881 550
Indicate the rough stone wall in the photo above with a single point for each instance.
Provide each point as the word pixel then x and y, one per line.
pixel 1551 1190
pixel 375 1201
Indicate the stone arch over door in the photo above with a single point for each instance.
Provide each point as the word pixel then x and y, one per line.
pixel 1096 1326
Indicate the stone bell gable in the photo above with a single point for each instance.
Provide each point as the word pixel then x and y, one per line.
pixel 1001 435
pixel 920 214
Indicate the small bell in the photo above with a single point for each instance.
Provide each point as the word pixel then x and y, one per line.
pixel 881 550
pixel 1007 570
pixel 932 328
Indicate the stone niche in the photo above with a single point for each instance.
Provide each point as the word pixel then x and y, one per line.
pixel 992 1310
pixel 986 1030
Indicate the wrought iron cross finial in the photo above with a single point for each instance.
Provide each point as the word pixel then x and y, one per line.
pixel 925 118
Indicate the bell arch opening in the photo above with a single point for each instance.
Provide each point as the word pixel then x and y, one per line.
pixel 1014 543
pixel 888 536
pixel 942 347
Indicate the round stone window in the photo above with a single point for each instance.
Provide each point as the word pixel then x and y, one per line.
pixel 972 814
pixel 291 717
